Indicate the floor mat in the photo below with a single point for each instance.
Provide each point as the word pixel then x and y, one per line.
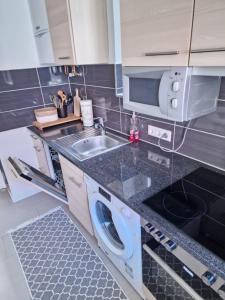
pixel 59 264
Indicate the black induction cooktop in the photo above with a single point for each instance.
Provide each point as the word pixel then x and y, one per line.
pixel 196 205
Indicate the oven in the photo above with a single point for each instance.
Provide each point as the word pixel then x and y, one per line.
pixel 175 93
pixel 169 272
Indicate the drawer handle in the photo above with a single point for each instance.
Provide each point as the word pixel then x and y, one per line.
pixel 75 182
pixel 34 137
pixel 162 53
pixel 208 50
pixel 37 149
pixel 64 57
pixel 15 175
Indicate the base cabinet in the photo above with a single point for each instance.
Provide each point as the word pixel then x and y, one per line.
pixel 76 193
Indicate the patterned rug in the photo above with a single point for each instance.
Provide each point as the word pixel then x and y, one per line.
pixel 59 264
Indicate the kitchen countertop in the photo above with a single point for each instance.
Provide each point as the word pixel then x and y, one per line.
pixel 135 172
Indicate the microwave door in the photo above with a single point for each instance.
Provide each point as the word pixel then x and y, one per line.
pixel 23 171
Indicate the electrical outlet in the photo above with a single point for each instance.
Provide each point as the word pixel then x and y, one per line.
pixel 161 133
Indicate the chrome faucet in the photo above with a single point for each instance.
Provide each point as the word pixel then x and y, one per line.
pixel 99 123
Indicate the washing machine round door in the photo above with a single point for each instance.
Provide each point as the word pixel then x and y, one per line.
pixel 112 228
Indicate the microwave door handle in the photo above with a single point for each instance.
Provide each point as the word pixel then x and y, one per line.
pixel 172 273
pixel 163 91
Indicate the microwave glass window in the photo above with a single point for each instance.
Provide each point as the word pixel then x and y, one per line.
pixel 144 91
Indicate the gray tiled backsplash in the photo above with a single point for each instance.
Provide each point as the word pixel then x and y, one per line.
pixel 143 126
pixel 20 99
pixel 18 79
pixel 111 118
pixel 16 118
pixel 205 147
pixel 52 76
pixel 22 90
pixel 100 75
pixel 103 97
pixel 52 90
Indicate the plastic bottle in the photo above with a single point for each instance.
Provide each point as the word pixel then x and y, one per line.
pixel 134 131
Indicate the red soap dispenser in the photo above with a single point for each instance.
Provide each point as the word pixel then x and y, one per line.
pixel 134 131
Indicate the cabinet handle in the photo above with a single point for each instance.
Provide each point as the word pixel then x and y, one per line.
pixel 207 50
pixel 162 53
pixel 64 57
pixel 39 35
pixel 34 137
pixel 37 149
pixel 15 175
pixel 75 182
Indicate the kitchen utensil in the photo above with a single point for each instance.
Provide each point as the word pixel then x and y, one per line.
pixel 63 97
pixel 62 111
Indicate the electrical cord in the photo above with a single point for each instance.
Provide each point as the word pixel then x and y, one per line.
pixel 181 144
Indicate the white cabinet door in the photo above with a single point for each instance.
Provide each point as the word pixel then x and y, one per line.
pixel 90 31
pixel 38 12
pixel 156 32
pixel 39 15
pixel 208 37
pixel 60 30
pixel 17 44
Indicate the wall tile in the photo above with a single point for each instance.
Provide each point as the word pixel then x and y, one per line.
pixel 18 79
pixel 78 79
pixel 119 76
pixel 16 119
pixel 222 89
pixel 103 97
pixel 111 118
pixel 202 146
pixel 52 76
pixel 81 88
pixel 143 126
pixel 20 99
pixel 100 75
pixel 52 90
pixel 212 123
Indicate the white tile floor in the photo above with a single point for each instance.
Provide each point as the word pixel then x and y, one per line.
pixel 12 282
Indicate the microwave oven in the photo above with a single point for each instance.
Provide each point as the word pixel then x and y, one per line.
pixel 174 93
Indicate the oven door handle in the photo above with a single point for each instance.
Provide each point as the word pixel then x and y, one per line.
pixel 173 274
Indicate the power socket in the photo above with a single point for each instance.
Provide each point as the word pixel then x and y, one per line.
pixel 160 133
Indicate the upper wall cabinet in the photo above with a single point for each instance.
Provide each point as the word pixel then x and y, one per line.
pixel 208 37
pixel 75 31
pixel 156 32
pixel 17 45
pixel 41 34
pixel 60 31
pixel 90 31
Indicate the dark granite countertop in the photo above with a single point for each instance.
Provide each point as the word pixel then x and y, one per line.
pixel 134 173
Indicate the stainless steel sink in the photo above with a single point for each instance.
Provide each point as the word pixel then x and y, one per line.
pixel 90 143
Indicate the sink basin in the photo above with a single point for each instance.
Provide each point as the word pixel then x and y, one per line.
pixel 89 144
pixel 95 145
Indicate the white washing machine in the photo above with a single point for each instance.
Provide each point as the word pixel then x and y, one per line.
pixel 118 232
